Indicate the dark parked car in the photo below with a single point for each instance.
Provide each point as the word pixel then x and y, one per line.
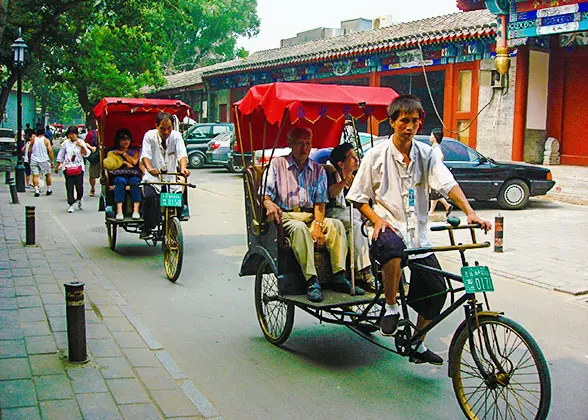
pixel 7 150
pixel 218 149
pixel 197 138
pixel 484 179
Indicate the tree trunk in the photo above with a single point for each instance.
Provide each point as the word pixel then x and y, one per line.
pixel 87 106
pixel 6 92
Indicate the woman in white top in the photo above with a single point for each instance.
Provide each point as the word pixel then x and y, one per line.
pixel 25 156
pixel 70 160
pixel 436 197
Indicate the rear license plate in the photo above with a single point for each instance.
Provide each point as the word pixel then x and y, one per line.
pixel 477 279
pixel 170 200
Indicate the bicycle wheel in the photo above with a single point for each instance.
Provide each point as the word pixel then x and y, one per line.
pixel 500 372
pixel 275 317
pixel 173 250
pixel 111 231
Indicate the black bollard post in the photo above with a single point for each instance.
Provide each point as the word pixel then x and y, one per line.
pixel 498 233
pixel 7 177
pixel 30 225
pixel 13 192
pixel 76 322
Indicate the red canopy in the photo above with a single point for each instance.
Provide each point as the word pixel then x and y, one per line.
pixel 136 114
pixel 322 108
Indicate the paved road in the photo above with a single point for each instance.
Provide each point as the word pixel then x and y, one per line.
pixel 207 319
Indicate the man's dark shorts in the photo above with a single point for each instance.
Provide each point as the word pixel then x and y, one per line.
pixel 422 283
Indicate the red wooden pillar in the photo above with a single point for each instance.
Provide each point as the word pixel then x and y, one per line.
pixel 520 103
pixel 448 104
pixel 374 82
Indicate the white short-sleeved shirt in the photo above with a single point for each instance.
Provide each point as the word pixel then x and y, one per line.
pixel 161 159
pixel 385 179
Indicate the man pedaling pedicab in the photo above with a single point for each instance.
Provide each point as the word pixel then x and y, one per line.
pixel 296 196
pixel 397 176
pixel 163 151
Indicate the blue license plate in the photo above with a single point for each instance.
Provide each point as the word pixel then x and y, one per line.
pixel 170 200
pixel 477 279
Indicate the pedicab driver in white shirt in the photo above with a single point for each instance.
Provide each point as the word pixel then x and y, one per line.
pixel 396 176
pixel 163 151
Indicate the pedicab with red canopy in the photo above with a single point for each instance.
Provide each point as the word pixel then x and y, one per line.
pixel 138 116
pixel 495 365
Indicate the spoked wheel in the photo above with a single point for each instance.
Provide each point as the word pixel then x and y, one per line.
pixel 500 372
pixel 173 250
pixel 275 317
pixel 371 325
pixel 111 231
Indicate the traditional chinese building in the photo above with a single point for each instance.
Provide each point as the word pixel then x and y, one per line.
pixel 448 61
pixel 550 41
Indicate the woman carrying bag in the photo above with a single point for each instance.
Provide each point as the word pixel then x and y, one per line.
pixel 70 160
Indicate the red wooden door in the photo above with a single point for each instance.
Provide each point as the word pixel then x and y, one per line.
pixel 575 107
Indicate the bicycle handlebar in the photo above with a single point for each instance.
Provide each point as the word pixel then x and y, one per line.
pixel 450 227
pixel 184 184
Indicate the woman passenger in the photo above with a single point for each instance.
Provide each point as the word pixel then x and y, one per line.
pixel 130 173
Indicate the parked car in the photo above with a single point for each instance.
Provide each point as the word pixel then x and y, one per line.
pixel 197 138
pixel 7 150
pixel 484 179
pixel 365 139
pixel 218 149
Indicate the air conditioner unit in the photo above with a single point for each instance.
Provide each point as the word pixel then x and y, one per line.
pixel 382 21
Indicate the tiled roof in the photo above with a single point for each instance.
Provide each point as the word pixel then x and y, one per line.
pixel 431 30
pixel 192 77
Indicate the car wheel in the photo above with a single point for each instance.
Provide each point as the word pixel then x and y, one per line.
pixel 197 160
pixel 514 195
pixel 236 169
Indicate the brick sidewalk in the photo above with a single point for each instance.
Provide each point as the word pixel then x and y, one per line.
pixel 129 374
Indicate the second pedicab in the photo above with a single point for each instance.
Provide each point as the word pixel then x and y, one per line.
pixel 497 368
pixel 137 115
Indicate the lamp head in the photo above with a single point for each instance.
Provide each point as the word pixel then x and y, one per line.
pixel 19 48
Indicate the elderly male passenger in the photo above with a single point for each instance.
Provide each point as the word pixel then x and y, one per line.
pixel 296 196
pixel 396 176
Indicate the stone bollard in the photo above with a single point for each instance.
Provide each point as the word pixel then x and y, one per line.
pixel 498 233
pixel 551 153
pixel 76 322
pixel 13 192
pixel 30 225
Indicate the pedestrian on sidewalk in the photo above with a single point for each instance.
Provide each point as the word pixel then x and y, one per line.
pixel 93 159
pixel 26 154
pixel 41 160
pixel 435 196
pixel 71 160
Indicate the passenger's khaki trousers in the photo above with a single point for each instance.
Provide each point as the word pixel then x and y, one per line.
pixel 298 227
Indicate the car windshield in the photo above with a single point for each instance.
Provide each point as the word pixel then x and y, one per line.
pixel 455 151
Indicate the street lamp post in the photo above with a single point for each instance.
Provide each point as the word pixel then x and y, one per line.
pixel 19 48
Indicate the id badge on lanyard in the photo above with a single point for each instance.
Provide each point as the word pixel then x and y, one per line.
pixel 411 197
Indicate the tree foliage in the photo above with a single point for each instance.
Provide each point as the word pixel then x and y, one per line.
pixel 95 48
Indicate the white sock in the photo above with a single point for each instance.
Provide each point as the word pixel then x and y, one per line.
pixel 392 309
pixel 36 189
pixel 48 188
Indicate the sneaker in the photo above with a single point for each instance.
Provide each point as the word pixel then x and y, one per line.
pixel 37 194
pixel 29 187
pixel 120 216
pixel 389 324
pixel 425 357
pixel 341 284
pixel 71 209
pixel 136 216
pixel 314 293
pixel 49 192
pixel 81 204
pixel 92 193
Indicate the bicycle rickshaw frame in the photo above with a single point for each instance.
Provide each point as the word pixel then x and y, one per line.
pixel 138 116
pixel 270 110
